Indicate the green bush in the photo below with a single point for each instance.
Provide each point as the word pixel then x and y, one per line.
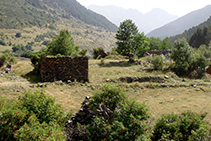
pixel 126 120
pixel 5 58
pixel 2 42
pixel 182 127
pixel 96 52
pixel 18 35
pixel 157 62
pixel 33 116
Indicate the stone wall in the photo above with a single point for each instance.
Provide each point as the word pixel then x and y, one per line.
pixel 65 69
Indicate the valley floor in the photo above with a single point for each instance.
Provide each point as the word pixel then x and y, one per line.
pixel 174 95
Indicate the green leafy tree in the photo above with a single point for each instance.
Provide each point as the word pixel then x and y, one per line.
pixel 165 44
pixel 125 44
pixel 182 54
pixel 61 44
pixel 154 43
pixel 140 44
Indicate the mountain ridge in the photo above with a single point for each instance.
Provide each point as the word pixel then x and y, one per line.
pixel 146 22
pixel 183 23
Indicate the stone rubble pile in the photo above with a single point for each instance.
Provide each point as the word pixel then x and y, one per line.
pixel 84 116
pixel 8 67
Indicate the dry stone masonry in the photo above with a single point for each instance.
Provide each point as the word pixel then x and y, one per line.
pixel 65 69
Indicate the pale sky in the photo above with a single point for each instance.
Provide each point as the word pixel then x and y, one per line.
pixel 174 7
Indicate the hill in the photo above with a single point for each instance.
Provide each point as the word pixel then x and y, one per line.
pixel 146 22
pixel 34 18
pixel 188 33
pixel 183 23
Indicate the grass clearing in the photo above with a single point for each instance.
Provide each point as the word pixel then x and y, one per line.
pixel 172 96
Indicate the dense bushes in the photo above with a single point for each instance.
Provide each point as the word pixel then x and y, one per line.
pixel 125 120
pixel 187 60
pixel 184 127
pixel 34 116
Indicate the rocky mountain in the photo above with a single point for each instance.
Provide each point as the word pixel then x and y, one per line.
pixel 146 22
pixel 183 23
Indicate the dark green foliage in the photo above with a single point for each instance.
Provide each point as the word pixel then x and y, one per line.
pixel 96 52
pixel 188 61
pixel 182 54
pixel 45 42
pixel 39 38
pixel 158 44
pixel 126 120
pixel 200 37
pixel 18 35
pixel 127 30
pixel 182 127
pixel 157 62
pixel 199 64
pixel 2 42
pixel 5 58
pixel 36 59
pixel 22 51
pixel 34 116
pixel 188 33
pixel 61 44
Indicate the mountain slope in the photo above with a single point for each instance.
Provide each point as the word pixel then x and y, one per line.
pixel 183 23
pixel 145 22
pixel 188 33
pixel 41 12
pixel 34 19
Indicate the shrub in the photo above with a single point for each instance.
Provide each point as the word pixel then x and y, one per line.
pixel 126 120
pixel 181 127
pixel 2 42
pixel 18 35
pixel 5 58
pixel 96 52
pixel 157 62
pixel 34 116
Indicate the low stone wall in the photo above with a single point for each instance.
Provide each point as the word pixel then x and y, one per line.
pixel 142 79
pixel 64 68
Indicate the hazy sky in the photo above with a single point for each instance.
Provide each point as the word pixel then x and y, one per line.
pixel 175 7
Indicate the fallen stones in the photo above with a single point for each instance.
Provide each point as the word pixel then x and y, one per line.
pixel 8 67
pixel 84 116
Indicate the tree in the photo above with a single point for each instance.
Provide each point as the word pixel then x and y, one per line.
pixel 165 44
pixel 127 30
pixel 140 44
pixel 182 54
pixel 61 44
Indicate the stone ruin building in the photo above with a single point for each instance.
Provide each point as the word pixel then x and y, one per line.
pixel 66 69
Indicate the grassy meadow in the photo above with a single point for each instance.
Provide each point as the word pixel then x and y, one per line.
pixel 175 95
